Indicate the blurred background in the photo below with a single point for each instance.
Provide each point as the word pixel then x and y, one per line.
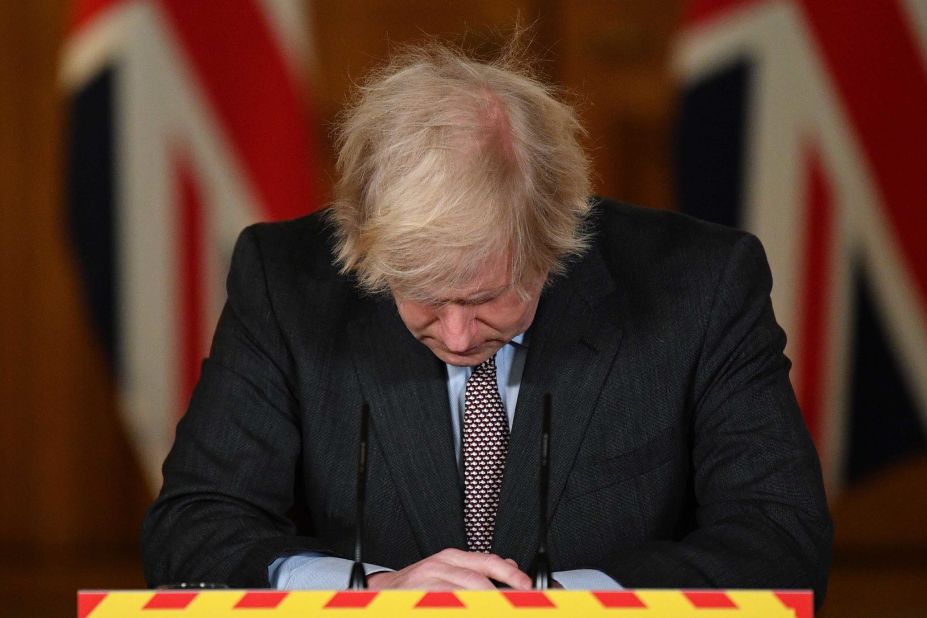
pixel 137 137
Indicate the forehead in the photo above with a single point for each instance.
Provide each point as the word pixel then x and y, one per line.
pixel 494 276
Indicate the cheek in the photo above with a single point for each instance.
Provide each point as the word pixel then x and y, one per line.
pixel 416 318
pixel 527 317
pixel 511 319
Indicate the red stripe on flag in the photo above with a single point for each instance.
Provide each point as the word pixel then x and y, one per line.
pixel 261 599
pixel 801 601
pixel 244 75
pixel 170 600
pixel 618 598
pixel 527 598
pixel 440 599
pixel 708 599
pixel 704 10
pixel 876 64
pixel 87 602
pixel 190 230
pixel 350 598
pixel 85 11
pixel 816 294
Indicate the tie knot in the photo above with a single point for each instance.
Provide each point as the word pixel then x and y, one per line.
pixel 489 363
pixel 486 368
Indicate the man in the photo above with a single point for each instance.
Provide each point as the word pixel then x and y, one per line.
pixel 460 275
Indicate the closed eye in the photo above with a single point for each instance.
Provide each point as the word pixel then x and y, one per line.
pixel 477 301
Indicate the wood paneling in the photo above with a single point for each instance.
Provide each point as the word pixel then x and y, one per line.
pixel 616 56
pixel 880 549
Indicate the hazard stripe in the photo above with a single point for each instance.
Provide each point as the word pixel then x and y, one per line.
pixel 87 602
pixel 264 122
pixel 619 598
pixel 522 599
pixel 708 599
pixel 801 602
pixel 170 600
pixel 858 40
pixel 439 599
pixel 261 599
pixel 351 598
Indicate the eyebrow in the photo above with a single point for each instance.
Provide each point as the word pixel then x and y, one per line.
pixel 476 298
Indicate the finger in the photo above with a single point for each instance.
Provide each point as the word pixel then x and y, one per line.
pixel 437 575
pixel 437 572
pixel 490 566
pixel 466 579
pixel 509 574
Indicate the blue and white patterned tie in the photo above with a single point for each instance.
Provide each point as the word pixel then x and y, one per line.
pixel 485 444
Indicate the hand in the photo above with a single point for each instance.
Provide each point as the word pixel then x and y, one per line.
pixel 454 569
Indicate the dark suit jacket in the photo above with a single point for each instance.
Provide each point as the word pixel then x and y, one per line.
pixel 678 453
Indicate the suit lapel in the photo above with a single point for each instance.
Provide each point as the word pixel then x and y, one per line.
pixel 573 342
pixel 406 387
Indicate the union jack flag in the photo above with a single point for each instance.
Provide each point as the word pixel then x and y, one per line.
pixel 188 121
pixel 805 121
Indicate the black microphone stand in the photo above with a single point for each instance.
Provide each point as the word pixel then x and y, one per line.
pixel 358 579
pixel 539 572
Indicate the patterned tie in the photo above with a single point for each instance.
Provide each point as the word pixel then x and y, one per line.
pixel 485 443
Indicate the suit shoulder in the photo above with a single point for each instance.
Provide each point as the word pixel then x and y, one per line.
pixel 284 271
pixel 303 245
pixel 611 217
pixel 625 232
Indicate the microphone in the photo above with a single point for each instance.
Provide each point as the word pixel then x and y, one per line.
pixel 358 579
pixel 539 572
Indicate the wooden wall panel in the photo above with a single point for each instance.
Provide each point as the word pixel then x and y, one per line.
pixel 615 55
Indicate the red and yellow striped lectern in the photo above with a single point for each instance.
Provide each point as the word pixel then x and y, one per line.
pixel 458 604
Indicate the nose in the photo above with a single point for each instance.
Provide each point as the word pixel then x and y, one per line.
pixel 458 326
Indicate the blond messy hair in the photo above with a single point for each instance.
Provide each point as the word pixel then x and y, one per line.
pixel 446 163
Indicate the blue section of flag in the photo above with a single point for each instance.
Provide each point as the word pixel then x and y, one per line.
pixel 710 146
pixel 91 201
pixel 884 426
